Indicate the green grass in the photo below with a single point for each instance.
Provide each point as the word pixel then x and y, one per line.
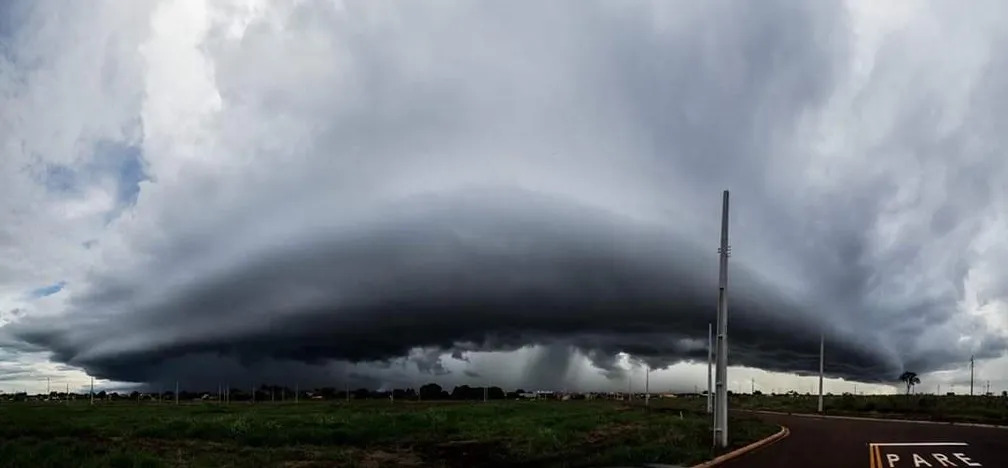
pixel 958 408
pixel 359 434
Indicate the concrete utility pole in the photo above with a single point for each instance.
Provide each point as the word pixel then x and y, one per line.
pixel 92 390
pixel 971 375
pixel 710 362
pixel 348 393
pixel 752 386
pixel 821 348
pixel 176 393
pixel 47 391
pixel 68 394
pixel 721 403
pixel 629 384
pixel 647 386
pixel 297 391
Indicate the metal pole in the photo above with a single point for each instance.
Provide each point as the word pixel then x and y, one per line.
pixel 821 348
pixel 710 362
pixel 721 404
pixel 647 388
pixel 629 385
pixel 971 374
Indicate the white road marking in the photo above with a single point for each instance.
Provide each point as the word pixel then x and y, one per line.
pixel 919 461
pixel 917 444
pixel 893 459
pixel 943 459
pixel 965 459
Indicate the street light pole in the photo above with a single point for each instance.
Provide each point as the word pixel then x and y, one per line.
pixel 721 404
pixel 971 375
pixel 710 362
pixel 821 348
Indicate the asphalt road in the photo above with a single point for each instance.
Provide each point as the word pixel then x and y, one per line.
pixel 846 443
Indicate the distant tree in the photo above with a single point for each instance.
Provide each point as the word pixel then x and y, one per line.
pixel 495 393
pixel 910 379
pixel 464 392
pixel 431 391
pixel 327 392
pixel 1004 393
pixel 757 393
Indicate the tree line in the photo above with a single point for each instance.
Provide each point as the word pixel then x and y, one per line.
pixel 430 391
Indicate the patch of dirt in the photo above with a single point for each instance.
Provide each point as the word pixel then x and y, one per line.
pixel 300 463
pixel 606 434
pixel 467 453
pixel 381 458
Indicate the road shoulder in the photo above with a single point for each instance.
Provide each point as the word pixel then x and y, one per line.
pixel 784 432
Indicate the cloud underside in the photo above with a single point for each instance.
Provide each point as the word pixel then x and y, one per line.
pixel 498 272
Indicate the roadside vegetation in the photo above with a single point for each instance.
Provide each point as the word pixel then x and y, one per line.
pixel 986 409
pixel 359 433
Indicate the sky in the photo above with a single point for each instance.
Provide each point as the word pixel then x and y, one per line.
pixel 521 194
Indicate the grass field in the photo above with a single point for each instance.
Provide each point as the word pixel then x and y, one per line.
pixel 368 433
pixel 957 408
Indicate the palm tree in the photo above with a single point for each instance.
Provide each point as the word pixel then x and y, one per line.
pixel 910 379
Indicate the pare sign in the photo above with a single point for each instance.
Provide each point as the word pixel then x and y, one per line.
pixel 921 454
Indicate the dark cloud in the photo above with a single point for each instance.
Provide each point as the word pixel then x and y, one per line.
pixel 500 269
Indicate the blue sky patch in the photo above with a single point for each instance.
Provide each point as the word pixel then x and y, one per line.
pixel 125 163
pixel 47 290
pixel 122 162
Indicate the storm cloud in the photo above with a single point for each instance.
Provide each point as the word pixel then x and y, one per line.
pixel 317 186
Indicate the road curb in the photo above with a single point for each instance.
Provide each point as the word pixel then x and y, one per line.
pixel 744 450
pixel 863 418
